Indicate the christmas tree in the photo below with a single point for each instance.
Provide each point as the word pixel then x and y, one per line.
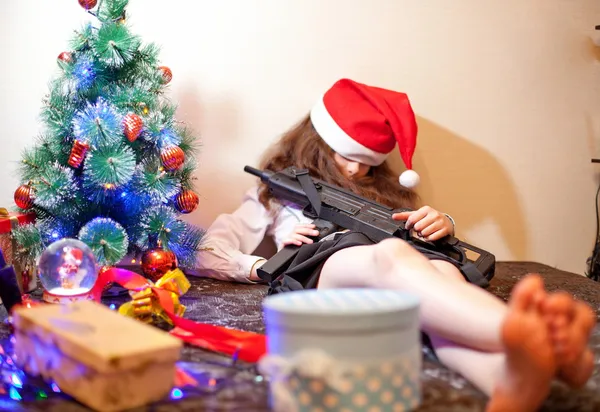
pixel 112 168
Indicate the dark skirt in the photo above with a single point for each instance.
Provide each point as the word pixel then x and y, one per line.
pixel 305 269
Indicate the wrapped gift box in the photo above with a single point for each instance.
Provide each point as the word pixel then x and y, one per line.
pixel 346 349
pixel 106 361
pixel 8 222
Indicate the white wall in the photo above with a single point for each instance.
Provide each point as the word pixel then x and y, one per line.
pixel 507 95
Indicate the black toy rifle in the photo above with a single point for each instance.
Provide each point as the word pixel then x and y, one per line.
pixel 334 208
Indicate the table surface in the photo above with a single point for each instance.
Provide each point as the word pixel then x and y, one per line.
pixel 239 386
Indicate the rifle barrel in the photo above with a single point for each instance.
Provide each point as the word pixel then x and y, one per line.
pixel 264 176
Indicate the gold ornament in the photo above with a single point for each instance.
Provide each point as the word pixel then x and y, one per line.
pixel 144 108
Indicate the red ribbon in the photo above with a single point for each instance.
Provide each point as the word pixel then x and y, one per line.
pixel 248 346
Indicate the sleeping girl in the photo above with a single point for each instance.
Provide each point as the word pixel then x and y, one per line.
pixel 511 351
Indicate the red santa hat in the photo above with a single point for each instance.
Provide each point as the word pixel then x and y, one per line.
pixel 364 123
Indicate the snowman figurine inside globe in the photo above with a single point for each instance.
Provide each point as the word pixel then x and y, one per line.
pixel 68 271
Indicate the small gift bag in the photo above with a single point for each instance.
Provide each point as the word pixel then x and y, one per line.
pixel 26 277
pixel 346 349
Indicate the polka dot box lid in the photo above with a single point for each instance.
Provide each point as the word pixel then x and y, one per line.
pixel 342 309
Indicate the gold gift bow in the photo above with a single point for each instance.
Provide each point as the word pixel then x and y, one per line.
pixel 14 220
pixel 144 305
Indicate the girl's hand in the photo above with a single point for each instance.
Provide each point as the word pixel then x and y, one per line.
pixel 300 233
pixel 427 222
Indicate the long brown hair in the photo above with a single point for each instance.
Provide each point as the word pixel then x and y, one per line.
pixel 302 147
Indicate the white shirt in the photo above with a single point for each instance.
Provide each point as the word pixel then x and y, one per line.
pixel 230 240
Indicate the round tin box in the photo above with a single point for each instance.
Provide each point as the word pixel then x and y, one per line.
pixel 343 350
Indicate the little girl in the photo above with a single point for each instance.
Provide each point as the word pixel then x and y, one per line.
pixel 511 351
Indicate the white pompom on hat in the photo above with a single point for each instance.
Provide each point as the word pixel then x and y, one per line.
pixel 364 123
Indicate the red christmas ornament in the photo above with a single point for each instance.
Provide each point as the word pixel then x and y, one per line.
pixel 65 57
pixel 78 152
pixel 132 125
pixel 187 201
pixel 172 157
pixel 24 196
pixel 88 4
pixel 166 73
pixel 157 261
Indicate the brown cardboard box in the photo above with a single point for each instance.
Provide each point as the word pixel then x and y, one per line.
pixel 106 361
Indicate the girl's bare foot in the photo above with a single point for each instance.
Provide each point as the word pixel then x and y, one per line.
pixel 570 323
pixel 530 360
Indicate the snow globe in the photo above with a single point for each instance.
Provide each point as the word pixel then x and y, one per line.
pixel 67 270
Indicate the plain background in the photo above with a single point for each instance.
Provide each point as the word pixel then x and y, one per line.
pixel 507 95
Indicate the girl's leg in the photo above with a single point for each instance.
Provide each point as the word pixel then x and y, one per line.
pixel 451 309
pixel 482 369
pixel 570 324
pixel 516 377
pixel 519 378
